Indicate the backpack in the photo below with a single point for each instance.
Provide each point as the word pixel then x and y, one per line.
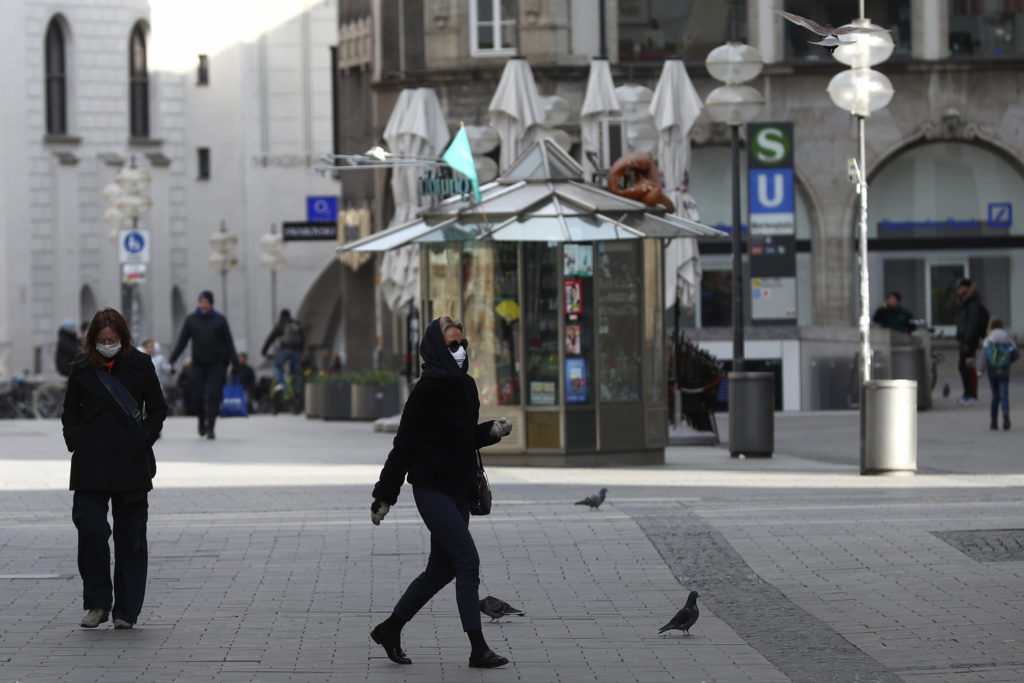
pixel 291 335
pixel 999 356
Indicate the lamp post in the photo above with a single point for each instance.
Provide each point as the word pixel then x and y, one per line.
pixel 861 90
pixel 223 257
pixel 272 259
pixel 128 202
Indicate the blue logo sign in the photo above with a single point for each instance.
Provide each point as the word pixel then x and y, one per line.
pixel 1000 215
pixel 134 242
pixel 321 209
pixel 771 190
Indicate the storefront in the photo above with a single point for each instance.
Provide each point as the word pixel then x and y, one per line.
pixel 559 284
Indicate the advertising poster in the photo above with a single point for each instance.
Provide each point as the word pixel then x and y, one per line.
pixel 573 297
pixel 579 260
pixel 575 380
pixel 572 340
pixel 542 393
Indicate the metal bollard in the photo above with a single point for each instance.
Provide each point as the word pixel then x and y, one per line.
pixel 888 426
pixel 751 414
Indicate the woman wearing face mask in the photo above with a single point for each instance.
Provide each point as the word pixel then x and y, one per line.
pixel 113 413
pixel 436 446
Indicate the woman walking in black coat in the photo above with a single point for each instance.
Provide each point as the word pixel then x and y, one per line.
pixel 436 446
pixel 113 413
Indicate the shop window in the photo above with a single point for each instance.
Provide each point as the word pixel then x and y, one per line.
pixel 56 80
pixel 138 76
pixel 654 30
pixel 492 319
pixel 492 26
pixel 541 303
pixel 716 298
pixel 444 295
pixel 942 298
pixel 891 14
pixel 986 28
pixel 618 278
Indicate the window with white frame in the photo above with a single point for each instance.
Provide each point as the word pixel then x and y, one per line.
pixel 492 27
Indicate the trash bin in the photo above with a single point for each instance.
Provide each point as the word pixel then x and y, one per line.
pixel 751 414
pixel 888 427
pixel 908 362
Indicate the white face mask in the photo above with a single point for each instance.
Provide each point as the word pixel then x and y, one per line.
pixel 108 350
pixel 459 356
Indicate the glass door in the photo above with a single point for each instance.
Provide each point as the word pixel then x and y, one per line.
pixel 941 290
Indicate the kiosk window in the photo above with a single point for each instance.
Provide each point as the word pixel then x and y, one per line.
pixel 492 319
pixel 617 275
pixel 541 291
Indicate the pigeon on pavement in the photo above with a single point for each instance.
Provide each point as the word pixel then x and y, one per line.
pixel 496 609
pixel 593 501
pixel 684 618
pixel 831 39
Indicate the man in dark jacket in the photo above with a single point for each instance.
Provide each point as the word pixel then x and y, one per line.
pixel 289 331
pixel 212 350
pixel 893 316
pixel 971 328
pixel 67 347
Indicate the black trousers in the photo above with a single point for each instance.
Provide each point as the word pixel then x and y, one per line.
pixel 131 512
pixel 207 386
pixel 453 555
pixel 968 371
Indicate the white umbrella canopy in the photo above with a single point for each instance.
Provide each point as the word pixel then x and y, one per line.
pixel 514 109
pixel 598 102
pixel 675 107
pixel 417 127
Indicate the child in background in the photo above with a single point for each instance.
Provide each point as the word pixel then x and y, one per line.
pixel 998 352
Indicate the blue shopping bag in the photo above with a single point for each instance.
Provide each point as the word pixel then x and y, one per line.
pixel 232 402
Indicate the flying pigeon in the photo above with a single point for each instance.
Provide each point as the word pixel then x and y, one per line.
pixel 831 34
pixel 684 618
pixel 593 501
pixel 496 609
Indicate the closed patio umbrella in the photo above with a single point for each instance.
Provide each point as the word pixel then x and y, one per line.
pixel 599 102
pixel 514 109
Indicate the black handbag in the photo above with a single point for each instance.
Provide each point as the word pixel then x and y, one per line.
pixel 481 503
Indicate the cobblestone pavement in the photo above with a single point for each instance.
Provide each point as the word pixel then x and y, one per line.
pixel 264 567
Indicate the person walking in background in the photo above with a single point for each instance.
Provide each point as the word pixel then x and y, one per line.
pixel 113 413
pixel 971 325
pixel 998 352
pixel 292 342
pixel 68 346
pixel 893 316
pixel 212 350
pixel 247 378
pixel 436 445
pixel 152 349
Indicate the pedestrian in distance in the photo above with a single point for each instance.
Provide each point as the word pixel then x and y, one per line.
pixel 436 446
pixel 247 378
pixel 998 353
pixel 68 346
pixel 113 413
pixel 212 350
pixel 891 315
pixel 291 341
pixel 971 326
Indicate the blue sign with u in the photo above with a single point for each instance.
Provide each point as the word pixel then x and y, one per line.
pixel 771 190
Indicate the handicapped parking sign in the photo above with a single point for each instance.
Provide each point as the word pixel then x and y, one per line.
pixel 133 246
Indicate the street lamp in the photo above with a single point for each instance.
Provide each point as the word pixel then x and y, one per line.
pixel 223 258
pixel 128 202
pixel 272 259
pixel 735 104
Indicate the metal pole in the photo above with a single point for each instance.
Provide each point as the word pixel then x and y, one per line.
pixel 224 289
pixel 865 292
pixel 273 296
pixel 737 257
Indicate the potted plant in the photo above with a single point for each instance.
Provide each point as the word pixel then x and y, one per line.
pixel 315 392
pixel 337 403
pixel 375 394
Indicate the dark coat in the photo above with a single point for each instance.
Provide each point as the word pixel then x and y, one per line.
pixel 67 348
pixel 278 333
pixel 110 452
pixel 971 319
pixel 438 435
pixel 211 340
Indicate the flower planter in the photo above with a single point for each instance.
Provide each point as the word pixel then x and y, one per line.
pixel 337 403
pixel 316 397
pixel 370 401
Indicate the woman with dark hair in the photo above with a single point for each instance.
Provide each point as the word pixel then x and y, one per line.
pixel 113 413
pixel 436 446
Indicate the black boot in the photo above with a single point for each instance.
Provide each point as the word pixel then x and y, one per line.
pixel 994 424
pixel 481 656
pixel 1006 420
pixel 202 423
pixel 209 427
pixel 388 634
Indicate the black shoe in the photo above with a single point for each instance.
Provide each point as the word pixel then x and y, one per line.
pixel 391 643
pixel 994 425
pixel 209 428
pixel 202 428
pixel 1006 421
pixel 486 660
pixel 209 434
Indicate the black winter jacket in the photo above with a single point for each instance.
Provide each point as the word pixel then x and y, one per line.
pixel 438 435
pixel 211 340
pixel 110 452
pixel 971 319
pixel 67 348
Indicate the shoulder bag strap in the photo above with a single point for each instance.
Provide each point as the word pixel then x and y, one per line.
pixel 120 394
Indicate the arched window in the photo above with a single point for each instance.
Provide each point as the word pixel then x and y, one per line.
pixel 56 80
pixel 138 74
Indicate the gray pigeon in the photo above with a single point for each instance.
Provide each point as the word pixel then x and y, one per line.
pixel 593 501
pixel 830 40
pixel 496 609
pixel 684 618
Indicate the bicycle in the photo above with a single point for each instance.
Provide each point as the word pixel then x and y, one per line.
pixel 15 398
pixel 291 396
pixel 48 400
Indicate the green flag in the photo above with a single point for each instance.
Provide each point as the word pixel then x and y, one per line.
pixel 460 157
